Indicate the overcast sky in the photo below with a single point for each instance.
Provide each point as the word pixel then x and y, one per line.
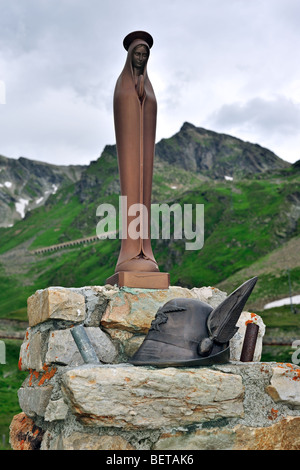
pixel 231 66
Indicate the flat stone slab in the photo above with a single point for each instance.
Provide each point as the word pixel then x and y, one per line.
pixel 55 303
pixel 129 397
pixel 134 309
pixel 284 435
pixel 285 385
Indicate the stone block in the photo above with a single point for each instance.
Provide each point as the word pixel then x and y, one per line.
pixel 129 397
pixel 285 385
pixel 96 300
pixel 34 400
pixel 86 441
pixel 55 303
pixel 56 410
pixel 211 295
pixel 284 435
pixel 24 434
pixel 134 309
pixel 62 348
pixel 31 356
pixel 202 439
pixel 132 345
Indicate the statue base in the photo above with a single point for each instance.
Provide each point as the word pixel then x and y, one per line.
pixel 141 280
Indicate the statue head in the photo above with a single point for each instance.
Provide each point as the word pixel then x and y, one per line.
pixel 139 57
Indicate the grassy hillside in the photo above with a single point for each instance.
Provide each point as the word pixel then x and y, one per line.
pixel 245 221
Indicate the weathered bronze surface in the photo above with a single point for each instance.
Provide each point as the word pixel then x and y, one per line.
pixel 135 110
pixel 249 343
pixel 140 280
pixel 188 332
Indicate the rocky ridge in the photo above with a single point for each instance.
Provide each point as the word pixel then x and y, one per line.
pixel 26 184
pixel 216 155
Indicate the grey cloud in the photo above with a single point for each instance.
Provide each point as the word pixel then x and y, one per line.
pixel 279 115
pixel 71 50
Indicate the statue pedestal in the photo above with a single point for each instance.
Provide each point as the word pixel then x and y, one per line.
pixel 117 406
pixel 140 280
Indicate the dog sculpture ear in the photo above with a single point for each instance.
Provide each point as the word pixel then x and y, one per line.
pixel 221 322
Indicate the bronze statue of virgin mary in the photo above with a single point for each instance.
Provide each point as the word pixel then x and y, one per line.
pixel 135 111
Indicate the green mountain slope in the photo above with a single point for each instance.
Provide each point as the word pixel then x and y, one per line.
pixel 26 184
pixel 246 219
pixel 278 272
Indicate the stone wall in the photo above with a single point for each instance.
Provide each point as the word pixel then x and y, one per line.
pixel 69 405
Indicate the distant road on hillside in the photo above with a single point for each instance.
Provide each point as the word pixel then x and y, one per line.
pixel 79 241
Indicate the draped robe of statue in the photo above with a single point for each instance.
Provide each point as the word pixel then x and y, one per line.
pixel 135 111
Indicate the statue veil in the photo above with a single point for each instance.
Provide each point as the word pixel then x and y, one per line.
pixel 135 112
